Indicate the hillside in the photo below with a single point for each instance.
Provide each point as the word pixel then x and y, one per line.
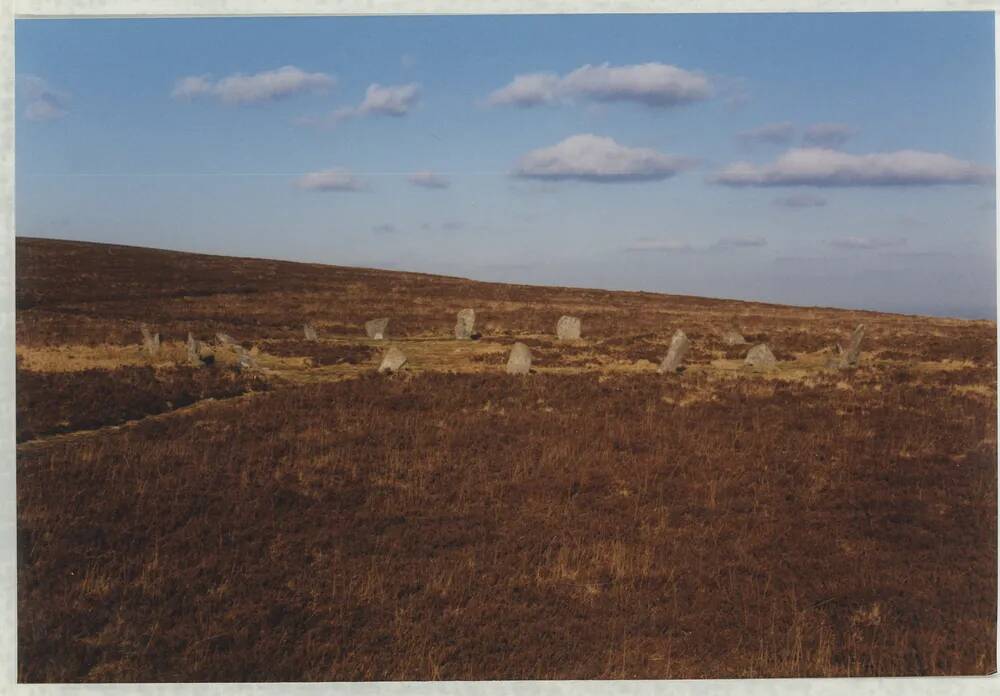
pixel 311 519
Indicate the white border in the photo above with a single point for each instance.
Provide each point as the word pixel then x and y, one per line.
pixel 189 8
pixel 192 8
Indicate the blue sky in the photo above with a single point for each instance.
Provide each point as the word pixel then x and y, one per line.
pixel 841 160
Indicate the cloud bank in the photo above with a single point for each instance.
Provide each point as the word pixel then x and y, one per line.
pixel 741 242
pixel 649 244
pixel 331 180
pixel 825 167
pixel 41 102
pixel 828 134
pixel 866 243
pixel 666 245
pixel 599 159
pixel 240 89
pixel 771 133
pixel 652 84
pixel 800 200
pixel 428 180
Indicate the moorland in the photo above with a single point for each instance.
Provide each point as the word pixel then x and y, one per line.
pixel 312 519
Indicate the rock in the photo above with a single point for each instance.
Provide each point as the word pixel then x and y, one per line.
pixel 392 360
pixel 376 328
pixel 732 337
pixel 568 328
pixel 310 332
pixel 225 339
pixel 679 345
pixel 246 360
pixel 519 362
pixel 849 358
pixel 194 351
pixel 466 324
pixel 760 356
pixel 150 341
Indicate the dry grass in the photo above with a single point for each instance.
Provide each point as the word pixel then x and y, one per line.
pixel 592 520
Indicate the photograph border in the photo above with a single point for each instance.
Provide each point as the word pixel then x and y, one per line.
pixel 39 9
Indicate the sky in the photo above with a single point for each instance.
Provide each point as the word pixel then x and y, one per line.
pixel 810 159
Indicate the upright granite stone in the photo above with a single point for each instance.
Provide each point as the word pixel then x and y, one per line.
pixel 732 337
pixel 150 341
pixel 466 324
pixel 392 360
pixel 679 345
pixel 376 328
pixel 760 356
pixel 245 359
pixel 519 362
pixel 568 328
pixel 849 358
pixel 310 332
pixel 194 351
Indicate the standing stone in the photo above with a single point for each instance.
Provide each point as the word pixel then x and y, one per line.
pixel 760 356
pixel 246 359
pixel 150 341
pixel 679 345
pixel 194 351
pixel 392 360
pixel 466 324
pixel 568 328
pixel 310 332
pixel 849 357
pixel 732 337
pixel 376 328
pixel 519 362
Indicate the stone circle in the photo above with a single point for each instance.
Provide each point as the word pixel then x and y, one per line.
pixel 392 360
pixel 679 345
pixel 760 356
pixel 568 328
pixel 519 362
pixel 376 328
pixel 465 324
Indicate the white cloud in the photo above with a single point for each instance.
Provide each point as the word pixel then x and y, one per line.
pixel 652 84
pixel 666 245
pixel 380 100
pixel 429 180
pixel 866 243
pixel 741 242
pixel 589 157
pixel 772 133
pixel 390 100
pixel 527 90
pixel 187 88
pixel 331 180
pixel 266 86
pixel 828 134
pixel 41 102
pixel 824 167
pixel 800 200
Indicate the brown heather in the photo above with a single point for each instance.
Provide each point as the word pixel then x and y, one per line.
pixel 592 520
